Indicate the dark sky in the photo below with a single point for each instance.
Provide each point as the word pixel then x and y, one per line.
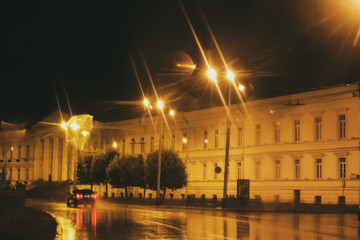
pixel 275 47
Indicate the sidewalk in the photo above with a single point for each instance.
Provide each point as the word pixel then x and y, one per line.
pixel 32 225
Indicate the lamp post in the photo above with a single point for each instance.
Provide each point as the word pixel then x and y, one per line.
pixel 185 141
pixel 160 106
pixel 230 76
pixel 77 131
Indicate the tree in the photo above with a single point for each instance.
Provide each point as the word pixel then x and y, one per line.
pixel 173 171
pixel 101 162
pixel 127 171
pixel 84 172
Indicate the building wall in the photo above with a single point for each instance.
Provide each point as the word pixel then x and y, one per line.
pixel 260 153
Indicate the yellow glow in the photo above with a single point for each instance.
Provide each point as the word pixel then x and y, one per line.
pixel 63 125
pixel 172 113
pixel 184 140
pixel 241 87
pixel 150 106
pixel 12 148
pixel 75 126
pixel 180 65
pixel 160 104
pixel 84 133
pixel 114 145
pixel 230 75
pixel 206 141
pixel 146 102
pixel 211 74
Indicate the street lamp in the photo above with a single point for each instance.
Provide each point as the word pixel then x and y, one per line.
pixel 231 77
pixel 212 74
pixel 241 87
pixel 160 106
pixel 77 131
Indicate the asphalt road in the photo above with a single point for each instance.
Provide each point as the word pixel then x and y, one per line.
pixel 118 221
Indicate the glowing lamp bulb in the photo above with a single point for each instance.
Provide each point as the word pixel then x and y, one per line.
pixel 160 104
pixel 63 125
pixel 75 126
pixel 241 87
pixel 84 133
pixel 211 74
pixel 230 75
pixel 184 140
pixel 172 113
pixel 114 145
pixel 146 102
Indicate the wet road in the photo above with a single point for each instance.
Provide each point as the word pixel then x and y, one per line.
pixel 117 221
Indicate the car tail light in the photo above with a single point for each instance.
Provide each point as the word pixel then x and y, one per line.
pixel 79 196
pixel 93 196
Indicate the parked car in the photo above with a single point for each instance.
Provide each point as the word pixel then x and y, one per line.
pixel 81 197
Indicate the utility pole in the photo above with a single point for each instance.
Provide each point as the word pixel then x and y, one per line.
pixel 159 165
pixel 226 170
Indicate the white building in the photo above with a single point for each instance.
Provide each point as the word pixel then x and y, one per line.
pixel 305 143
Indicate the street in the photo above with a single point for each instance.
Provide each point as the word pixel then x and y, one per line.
pixel 118 221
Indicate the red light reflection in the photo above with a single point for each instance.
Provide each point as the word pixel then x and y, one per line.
pixel 79 219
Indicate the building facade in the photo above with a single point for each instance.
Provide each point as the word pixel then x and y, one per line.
pixel 304 145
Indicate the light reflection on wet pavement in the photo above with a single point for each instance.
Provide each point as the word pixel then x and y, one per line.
pixel 118 221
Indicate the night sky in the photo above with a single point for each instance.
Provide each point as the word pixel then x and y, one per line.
pixel 83 50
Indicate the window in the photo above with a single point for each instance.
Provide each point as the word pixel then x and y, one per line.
pixel 133 145
pixel 319 168
pixel 192 171
pixel 19 152
pixel 205 140
pixel 152 143
pixel 204 171
pixel 173 141
pixel 216 142
pixel 240 170
pixel 27 151
pixel 27 174
pixel 240 136
pixel 277 132
pixel 342 126
pixel 257 170
pixel 101 144
pixel 342 167
pixel 215 174
pixel 10 174
pixel 107 144
pixel 11 152
pixel 318 128
pixel 123 146
pixel 258 133
pixel 95 145
pixel 184 142
pixel 3 152
pixel 297 130
pixel 277 169
pixel 142 145
pixel 297 169
pixel 18 174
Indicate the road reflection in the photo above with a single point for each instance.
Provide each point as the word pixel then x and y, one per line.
pixel 86 218
pixel 116 221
